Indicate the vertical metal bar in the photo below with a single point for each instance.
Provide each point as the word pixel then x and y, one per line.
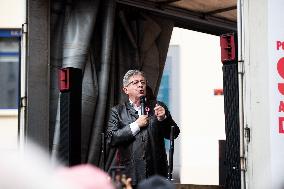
pixel 240 81
pixel 171 154
pixel 23 93
pixel 103 152
pixel 69 149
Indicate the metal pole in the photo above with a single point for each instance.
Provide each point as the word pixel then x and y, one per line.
pixel 103 151
pixel 171 154
pixel 23 92
pixel 240 82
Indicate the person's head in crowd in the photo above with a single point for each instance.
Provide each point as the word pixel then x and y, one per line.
pixel 29 168
pixel 155 182
pixel 85 177
pixel 32 168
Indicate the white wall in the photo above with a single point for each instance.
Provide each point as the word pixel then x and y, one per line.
pixel 8 130
pixel 263 27
pixel 201 113
pixel 12 13
pixel 12 16
pixel 256 94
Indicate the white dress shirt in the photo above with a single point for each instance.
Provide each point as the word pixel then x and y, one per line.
pixel 134 126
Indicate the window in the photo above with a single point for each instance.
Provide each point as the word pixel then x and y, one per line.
pixel 9 69
pixel 169 86
pixel 165 89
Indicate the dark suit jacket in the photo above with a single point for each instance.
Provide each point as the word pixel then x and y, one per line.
pixel 144 154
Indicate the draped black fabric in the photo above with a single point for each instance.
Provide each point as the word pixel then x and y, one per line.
pixel 104 40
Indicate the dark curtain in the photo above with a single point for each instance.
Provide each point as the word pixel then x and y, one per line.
pixel 104 40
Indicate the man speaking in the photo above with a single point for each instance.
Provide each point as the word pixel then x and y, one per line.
pixel 138 128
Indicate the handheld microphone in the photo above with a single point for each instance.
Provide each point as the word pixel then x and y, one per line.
pixel 142 103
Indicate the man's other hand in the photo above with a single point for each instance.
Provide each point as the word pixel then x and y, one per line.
pixel 160 112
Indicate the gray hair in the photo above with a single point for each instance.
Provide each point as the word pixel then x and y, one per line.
pixel 129 74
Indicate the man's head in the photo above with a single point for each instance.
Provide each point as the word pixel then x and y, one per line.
pixel 155 182
pixel 134 84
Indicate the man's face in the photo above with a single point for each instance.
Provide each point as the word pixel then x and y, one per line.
pixel 136 87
